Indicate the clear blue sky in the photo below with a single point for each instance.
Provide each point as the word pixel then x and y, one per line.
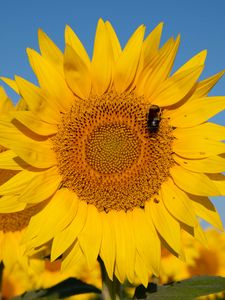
pixel 201 24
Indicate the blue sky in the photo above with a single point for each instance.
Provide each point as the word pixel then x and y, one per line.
pixel 201 24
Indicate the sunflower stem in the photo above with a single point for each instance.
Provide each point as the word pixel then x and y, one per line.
pixel 111 289
pixel 1 278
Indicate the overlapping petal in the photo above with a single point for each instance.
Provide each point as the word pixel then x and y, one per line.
pixel 102 60
pixel 77 73
pixel 54 223
pixel 50 79
pixel 127 63
pixel 50 51
pixel 196 112
pixel 167 226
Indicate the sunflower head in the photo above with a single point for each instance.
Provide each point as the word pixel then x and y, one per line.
pixel 115 155
pixel 118 147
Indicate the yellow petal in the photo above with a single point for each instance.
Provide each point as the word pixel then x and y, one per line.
pixel 50 80
pixel 167 226
pixel 196 232
pixel 212 164
pixel 50 51
pixel 206 210
pixel 74 258
pixel 219 181
pixel 151 44
pixel 56 216
pixel 163 52
pixel 11 250
pixel 39 102
pixel 145 237
pixel 108 244
pixel 102 59
pixel 69 234
pixel 72 39
pixel 77 73
pixel 124 247
pixel 193 183
pixel 178 203
pixel 5 103
pixel 127 64
pixel 11 83
pixel 41 187
pixel 195 61
pixel 115 44
pixel 141 270
pixel 128 236
pixel 196 112
pixel 17 183
pixel 10 204
pixel 203 87
pixel 1 241
pixel 144 76
pixel 200 235
pixel 31 121
pixel 207 130
pixel 38 154
pixel 176 87
pixel 7 161
pixel 197 147
pixel 161 67
pixel 21 105
pixel 91 235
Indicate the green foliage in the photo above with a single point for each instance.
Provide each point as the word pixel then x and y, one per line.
pixel 187 289
pixel 64 289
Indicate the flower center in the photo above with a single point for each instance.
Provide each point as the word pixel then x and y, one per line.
pixel 107 155
pixel 112 148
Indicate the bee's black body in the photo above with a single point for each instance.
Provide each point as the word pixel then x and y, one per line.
pixel 153 119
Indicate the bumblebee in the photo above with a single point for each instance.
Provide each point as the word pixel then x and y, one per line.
pixel 153 118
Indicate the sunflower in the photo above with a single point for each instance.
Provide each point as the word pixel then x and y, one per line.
pixel 118 147
pixel 44 274
pixel 50 274
pixel 10 251
pixel 203 263
pixel 12 224
pixel 198 258
pixel 198 261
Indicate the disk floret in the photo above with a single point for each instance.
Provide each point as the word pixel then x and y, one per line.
pixel 107 155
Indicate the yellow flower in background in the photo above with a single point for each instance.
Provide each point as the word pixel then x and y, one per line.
pixel 200 260
pixel 119 175
pixel 211 259
pixel 11 224
pixel 13 282
pixel 52 275
pixel 17 281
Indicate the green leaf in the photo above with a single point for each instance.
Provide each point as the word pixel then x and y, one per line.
pixel 64 289
pixel 189 289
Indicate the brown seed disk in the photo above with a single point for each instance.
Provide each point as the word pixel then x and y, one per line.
pixel 106 154
pixel 112 148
